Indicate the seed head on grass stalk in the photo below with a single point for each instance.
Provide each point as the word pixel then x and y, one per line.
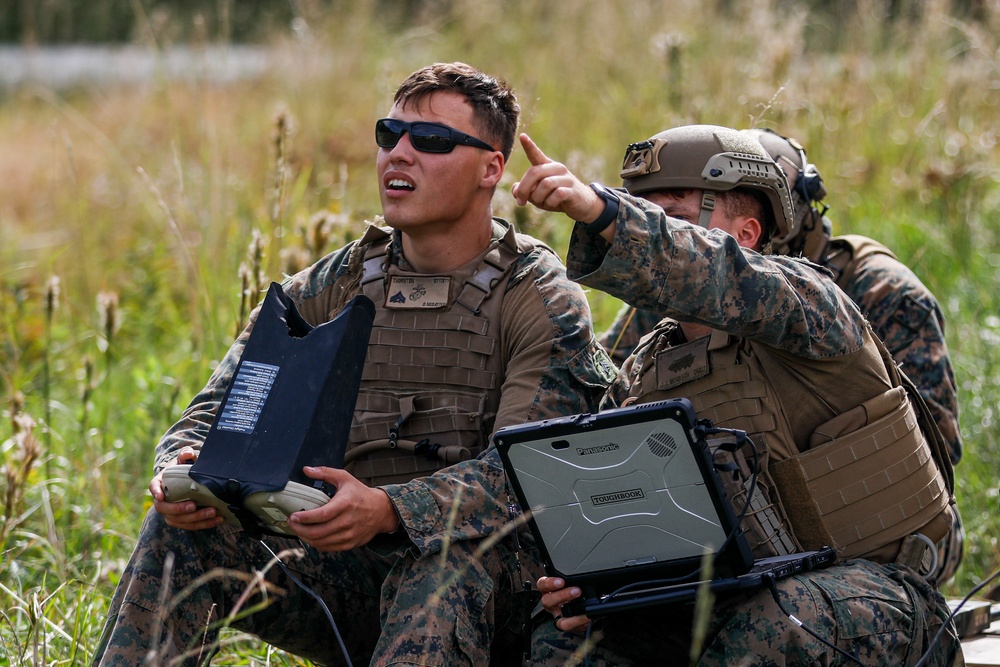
pixel 253 279
pixel 51 305
pixel 86 394
pixel 316 237
pixel 110 318
pixel 16 408
pixel 246 289
pixel 23 451
pixel 283 128
pixel 319 230
pixel 110 321
pixel 293 260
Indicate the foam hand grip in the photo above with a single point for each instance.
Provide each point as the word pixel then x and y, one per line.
pixel 178 486
pixel 272 508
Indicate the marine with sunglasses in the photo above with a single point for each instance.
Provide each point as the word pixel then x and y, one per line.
pixel 844 451
pixel 476 327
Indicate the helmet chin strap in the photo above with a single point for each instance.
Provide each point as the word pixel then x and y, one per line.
pixel 707 206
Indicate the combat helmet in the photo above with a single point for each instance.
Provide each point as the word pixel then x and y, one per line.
pixel 712 159
pixel 810 230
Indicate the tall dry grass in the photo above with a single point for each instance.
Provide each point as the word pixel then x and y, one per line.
pixel 179 197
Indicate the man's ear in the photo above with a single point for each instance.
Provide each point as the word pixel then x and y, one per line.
pixel 493 170
pixel 748 232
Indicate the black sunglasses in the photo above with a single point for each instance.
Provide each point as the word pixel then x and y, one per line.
pixel 426 137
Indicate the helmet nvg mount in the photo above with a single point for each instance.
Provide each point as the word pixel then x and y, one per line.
pixel 809 231
pixel 710 158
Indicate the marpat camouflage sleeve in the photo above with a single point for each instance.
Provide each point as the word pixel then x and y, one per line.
pixel 703 276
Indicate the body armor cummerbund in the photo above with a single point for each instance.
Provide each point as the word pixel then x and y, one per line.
pixel 860 481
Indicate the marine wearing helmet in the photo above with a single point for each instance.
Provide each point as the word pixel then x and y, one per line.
pixel 713 159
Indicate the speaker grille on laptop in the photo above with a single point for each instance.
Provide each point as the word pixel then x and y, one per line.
pixel 661 444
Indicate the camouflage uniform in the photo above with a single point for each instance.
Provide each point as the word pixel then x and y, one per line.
pixel 888 625
pixel 785 309
pixel 902 312
pixel 431 593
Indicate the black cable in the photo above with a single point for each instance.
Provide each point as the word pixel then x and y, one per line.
pixel 930 648
pixel 741 438
pixel 951 617
pixel 586 644
pixel 769 578
pixel 326 610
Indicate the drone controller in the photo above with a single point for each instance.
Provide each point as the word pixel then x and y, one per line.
pixel 270 509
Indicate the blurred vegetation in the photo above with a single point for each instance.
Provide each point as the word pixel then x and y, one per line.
pixel 35 22
pixel 53 22
pixel 136 221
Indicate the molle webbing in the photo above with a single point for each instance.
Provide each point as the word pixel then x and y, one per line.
pixel 734 394
pixel 730 398
pixel 432 376
pixel 938 445
pixel 762 523
pixel 869 477
pixel 432 351
pixel 868 487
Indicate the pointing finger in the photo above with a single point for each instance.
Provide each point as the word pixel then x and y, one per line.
pixel 534 153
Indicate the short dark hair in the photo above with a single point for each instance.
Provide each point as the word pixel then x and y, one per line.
pixel 493 102
pixel 752 203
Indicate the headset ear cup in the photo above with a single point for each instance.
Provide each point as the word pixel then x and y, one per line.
pixel 812 183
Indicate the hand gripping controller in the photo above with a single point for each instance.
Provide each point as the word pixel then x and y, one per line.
pixel 271 509
pixel 178 486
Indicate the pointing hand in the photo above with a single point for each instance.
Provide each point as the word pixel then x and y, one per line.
pixel 551 186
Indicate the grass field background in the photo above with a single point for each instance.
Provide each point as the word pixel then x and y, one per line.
pixel 134 220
